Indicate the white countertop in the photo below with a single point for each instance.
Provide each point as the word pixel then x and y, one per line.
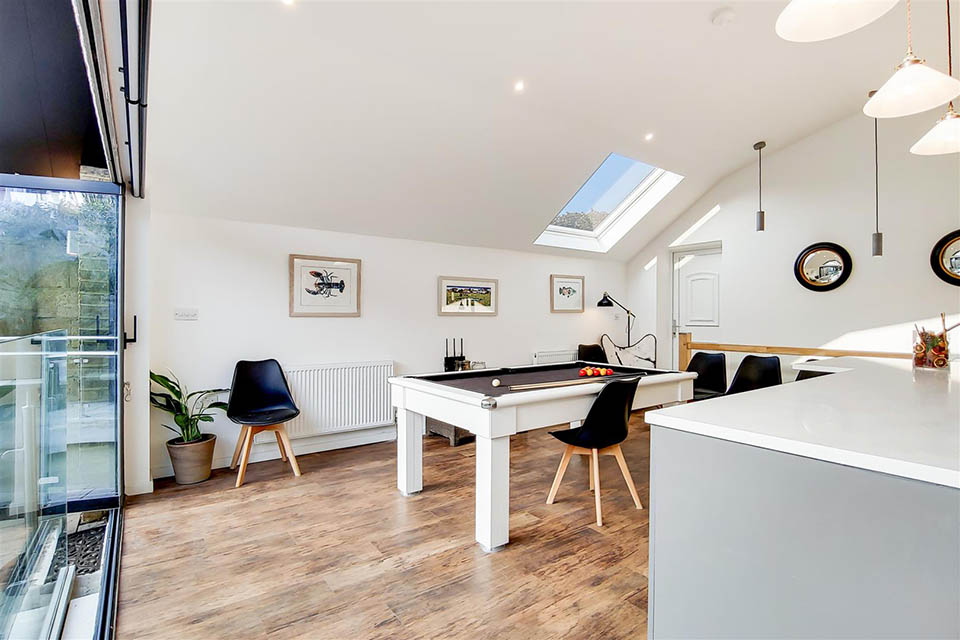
pixel 873 413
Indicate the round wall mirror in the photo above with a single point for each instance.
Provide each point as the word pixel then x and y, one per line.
pixel 945 258
pixel 823 266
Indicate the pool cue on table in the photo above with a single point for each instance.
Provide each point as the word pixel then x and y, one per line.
pixel 557 383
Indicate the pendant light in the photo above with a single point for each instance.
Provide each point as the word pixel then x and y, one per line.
pixel 761 222
pixel 945 135
pixel 913 88
pixel 877 238
pixel 813 20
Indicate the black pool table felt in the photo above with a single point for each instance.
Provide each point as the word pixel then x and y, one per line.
pixel 481 381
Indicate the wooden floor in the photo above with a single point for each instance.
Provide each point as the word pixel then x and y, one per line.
pixel 339 553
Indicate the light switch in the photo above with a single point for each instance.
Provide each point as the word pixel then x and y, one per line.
pixel 186 313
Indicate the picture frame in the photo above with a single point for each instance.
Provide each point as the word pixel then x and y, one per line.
pixel 467 297
pixel 324 287
pixel 566 293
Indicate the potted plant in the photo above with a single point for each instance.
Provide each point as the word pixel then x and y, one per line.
pixel 191 452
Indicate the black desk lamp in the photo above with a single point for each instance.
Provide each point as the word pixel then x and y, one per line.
pixel 608 301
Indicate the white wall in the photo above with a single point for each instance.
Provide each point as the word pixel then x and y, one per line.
pixel 822 189
pixel 236 274
pixel 136 357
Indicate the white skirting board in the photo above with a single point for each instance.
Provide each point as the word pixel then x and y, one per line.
pixel 301 446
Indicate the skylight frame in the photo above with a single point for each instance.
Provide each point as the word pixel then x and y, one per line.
pixel 638 203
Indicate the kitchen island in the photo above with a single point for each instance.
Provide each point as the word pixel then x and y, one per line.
pixel 823 508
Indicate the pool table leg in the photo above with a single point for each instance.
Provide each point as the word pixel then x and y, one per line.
pixel 493 492
pixel 410 427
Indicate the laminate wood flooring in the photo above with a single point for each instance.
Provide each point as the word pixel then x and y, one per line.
pixel 339 553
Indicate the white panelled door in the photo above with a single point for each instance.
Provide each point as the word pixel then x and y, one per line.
pixel 696 295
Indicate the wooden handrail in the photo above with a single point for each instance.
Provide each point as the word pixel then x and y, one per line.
pixel 687 347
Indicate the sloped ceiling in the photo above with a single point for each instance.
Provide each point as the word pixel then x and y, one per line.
pixel 47 125
pixel 400 119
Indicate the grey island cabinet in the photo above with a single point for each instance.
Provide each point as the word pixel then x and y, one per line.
pixel 826 508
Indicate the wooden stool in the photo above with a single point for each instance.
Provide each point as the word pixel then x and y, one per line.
pixel 245 441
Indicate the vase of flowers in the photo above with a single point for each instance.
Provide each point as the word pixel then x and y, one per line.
pixel 191 452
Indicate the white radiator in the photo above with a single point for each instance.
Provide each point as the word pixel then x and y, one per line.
pixel 549 357
pixel 338 397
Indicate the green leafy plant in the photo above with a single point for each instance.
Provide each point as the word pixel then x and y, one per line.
pixel 188 409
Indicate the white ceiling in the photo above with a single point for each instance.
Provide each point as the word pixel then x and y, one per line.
pixel 399 119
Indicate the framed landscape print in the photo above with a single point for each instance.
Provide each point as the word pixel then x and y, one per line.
pixel 566 294
pixel 467 296
pixel 323 287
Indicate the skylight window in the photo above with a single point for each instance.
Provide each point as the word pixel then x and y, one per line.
pixel 613 199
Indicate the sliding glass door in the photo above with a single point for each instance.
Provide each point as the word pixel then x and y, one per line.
pixel 60 248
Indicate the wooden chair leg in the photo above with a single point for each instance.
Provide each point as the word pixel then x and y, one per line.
pixel 283 453
pixel 590 472
pixel 245 456
pixel 564 461
pixel 596 484
pixel 240 440
pixel 618 454
pixel 282 432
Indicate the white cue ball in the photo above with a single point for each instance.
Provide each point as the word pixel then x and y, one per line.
pixel 496 382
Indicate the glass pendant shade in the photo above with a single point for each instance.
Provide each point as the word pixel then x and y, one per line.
pixel 915 87
pixel 813 20
pixel 943 138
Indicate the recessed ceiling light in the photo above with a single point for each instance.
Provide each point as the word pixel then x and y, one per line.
pixel 648 137
pixel 287 2
pixel 519 86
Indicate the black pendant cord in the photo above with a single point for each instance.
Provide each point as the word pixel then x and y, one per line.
pixel 876 173
pixel 949 48
pixel 760 179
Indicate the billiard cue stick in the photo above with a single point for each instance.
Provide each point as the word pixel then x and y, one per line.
pixel 557 383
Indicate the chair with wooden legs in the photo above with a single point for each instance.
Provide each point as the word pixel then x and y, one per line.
pixel 600 435
pixel 260 400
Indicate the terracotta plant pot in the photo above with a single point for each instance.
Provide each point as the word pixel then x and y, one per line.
pixel 192 460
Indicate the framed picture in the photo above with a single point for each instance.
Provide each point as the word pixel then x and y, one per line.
pixel 467 296
pixel 566 294
pixel 323 287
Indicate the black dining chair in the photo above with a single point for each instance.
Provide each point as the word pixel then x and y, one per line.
pixel 804 374
pixel 604 428
pixel 756 372
pixel 711 370
pixel 591 353
pixel 260 400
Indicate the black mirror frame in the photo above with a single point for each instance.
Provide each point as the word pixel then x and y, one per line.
pixel 823 246
pixel 936 258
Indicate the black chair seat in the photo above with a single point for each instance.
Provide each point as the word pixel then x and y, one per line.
pixel 263 418
pixel 756 372
pixel 701 394
pixel 259 395
pixel 587 439
pixel 805 374
pixel 606 422
pixel 711 370
pixel 591 353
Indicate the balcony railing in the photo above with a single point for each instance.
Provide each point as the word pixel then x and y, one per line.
pixel 33 486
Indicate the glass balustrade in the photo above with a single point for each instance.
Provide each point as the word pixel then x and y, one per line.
pixel 34 414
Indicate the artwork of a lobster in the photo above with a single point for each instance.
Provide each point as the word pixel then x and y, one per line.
pixel 326 284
